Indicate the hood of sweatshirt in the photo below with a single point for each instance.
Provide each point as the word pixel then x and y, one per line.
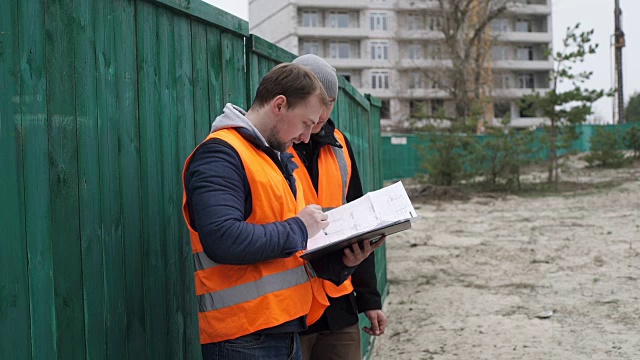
pixel 234 117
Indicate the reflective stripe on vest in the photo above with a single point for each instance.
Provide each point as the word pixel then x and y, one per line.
pixel 344 170
pixel 252 290
pixel 334 172
pixel 232 298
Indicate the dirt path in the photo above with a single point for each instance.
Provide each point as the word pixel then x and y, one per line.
pixel 467 281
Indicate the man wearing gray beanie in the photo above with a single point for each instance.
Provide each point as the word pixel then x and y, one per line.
pixel 329 176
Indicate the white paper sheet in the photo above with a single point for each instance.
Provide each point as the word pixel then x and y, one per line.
pixel 375 208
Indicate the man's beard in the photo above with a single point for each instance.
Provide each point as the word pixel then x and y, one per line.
pixel 274 142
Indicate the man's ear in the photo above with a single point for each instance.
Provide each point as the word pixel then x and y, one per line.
pixel 278 104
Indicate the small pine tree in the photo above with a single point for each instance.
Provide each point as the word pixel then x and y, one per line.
pixel 605 149
pixel 632 140
pixel 565 109
pixel 499 158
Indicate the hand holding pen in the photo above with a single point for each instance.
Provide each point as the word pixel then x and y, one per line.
pixel 314 219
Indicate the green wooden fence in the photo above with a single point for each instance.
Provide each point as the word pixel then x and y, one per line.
pixel 401 157
pixel 100 104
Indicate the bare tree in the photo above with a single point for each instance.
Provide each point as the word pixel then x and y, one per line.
pixel 465 25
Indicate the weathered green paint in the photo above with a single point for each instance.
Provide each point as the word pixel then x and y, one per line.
pixel 234 77
pixel 200 82
pixel 149 53
pixel 179 244
pixel 209 13
pixel 92 248
pixel 63 178
pixel 33 109
pixel 268 50
pixel 214 73
pixel 129 177
pixel 101 104
pixel 15 336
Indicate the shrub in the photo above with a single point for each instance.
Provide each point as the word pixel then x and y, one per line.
pixel 632 140
pixel 605 150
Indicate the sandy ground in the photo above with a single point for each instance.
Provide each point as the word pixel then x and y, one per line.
pixel 468 280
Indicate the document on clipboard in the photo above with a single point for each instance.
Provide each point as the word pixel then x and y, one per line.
pixel 377 213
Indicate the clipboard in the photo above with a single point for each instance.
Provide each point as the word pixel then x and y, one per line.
pixel 375 234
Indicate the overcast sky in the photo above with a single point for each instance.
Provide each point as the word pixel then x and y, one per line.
pixel 592 14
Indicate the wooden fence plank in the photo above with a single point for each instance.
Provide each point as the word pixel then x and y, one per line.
pixel 153 223
pixel 106 44
pixel 214 66
pixel 33 103
pixel 200 83
pixel 234 77
pixel 211 14
pixel 89 177
pixel 170 172
pixel 181 244
pixel 129 169
pixel 63 179
pixel 15 336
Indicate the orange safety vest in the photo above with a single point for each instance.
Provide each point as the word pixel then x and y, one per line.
pixel 236 300
pixel 334 169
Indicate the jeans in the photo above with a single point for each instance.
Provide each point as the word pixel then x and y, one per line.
pixel 279 346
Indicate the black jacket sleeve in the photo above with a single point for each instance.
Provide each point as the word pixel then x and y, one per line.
pixel 364 277
pixel 218 190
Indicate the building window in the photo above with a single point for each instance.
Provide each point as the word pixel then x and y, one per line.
pixel 523 26
pixel 414 21
pixel 500 25
pixel 500 53
pixel 501 110
pixel 338 19
pixel 524 53
pixel 415 80
pixel 435 52
pixel 527 110
pixel 417 107
pixel 380 79
pixel 506 81
pixel 526 81
pixel 379 50
pixel 378 21
pixel 385 112
pixel 339 49
pixel 311 47
pixel 434 23
pixel 437 107
pixel 310 18
pixel 415 51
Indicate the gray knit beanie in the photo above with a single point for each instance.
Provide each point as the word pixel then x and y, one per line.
pixel 322 70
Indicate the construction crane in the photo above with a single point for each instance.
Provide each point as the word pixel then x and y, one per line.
pixel 619 44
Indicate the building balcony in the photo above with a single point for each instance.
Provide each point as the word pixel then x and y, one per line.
pixel 332 33
pixel 352 63
pixel 336 4
pixel 380 93
pixel 417 4
pixel 405 93
pixel 529 65
pixel 516 93
pixel 424 64
pixel 523 9
pixel 525 37
pixel 528 122
pixel 419 35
